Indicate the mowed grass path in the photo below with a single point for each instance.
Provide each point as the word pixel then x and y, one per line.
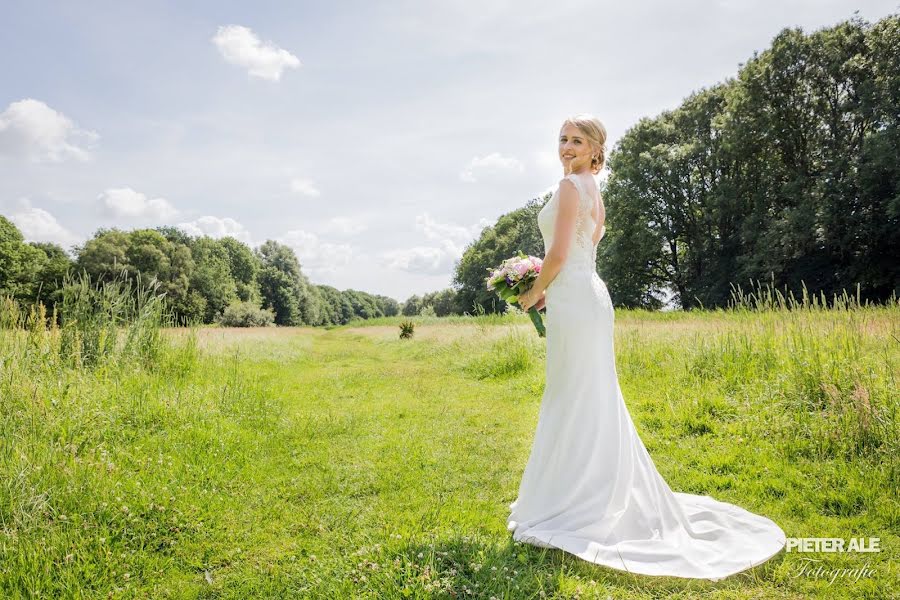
pixel 336 463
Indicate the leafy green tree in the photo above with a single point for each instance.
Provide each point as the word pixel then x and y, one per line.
pixel 103 256
pixel 411 306
pixel 786 173
pixel 21 264
pixel 364 305
pixel 513 232
pixel 346 309
pixel 211 276
pixel 52 276
pixel 387 305
pixel 151 254
pixel 331 305
pixel 443 302
pixel 279 282
pixel 244 266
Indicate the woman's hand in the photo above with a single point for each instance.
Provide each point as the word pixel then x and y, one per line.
pixel 530 298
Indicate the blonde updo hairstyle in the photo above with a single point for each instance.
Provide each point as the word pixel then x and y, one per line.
pixel 595 133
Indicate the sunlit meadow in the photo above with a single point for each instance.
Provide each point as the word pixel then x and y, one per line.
pixel 140 460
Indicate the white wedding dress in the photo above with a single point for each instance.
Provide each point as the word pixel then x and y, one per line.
pixel 590 488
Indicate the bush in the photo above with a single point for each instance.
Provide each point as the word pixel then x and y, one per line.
pixel 406 329
pixel 246 314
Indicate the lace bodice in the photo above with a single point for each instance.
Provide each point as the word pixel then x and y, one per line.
pixel 582 253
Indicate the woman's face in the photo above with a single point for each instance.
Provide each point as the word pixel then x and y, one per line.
pixel 574 149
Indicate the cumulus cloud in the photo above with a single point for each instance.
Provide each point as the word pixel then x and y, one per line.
pixel 460 234
pixel 344 226
pixel 240 46
pixel 492 163
pixel 317 257
pixel 423 260
pixel 304 187
pixel 38 225
pixel 32 130
pixel 215 227
pixel 125 202
pixel 451 241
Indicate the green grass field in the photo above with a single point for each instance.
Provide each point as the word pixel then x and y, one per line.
pixel 348 463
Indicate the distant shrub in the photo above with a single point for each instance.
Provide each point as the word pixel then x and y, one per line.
pixel 406 329
pixel 246 314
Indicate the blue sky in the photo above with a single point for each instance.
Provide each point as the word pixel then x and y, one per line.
pixel 376 139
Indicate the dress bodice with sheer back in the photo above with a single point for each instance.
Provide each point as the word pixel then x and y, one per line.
pixel 585 290
pixel 590 487
pixel 583 249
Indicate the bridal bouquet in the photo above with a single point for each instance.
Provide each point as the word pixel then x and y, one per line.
pixel 514 276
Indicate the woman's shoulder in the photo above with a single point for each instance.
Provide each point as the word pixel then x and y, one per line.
pixel 581 186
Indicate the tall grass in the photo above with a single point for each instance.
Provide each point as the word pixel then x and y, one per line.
pixel 74 386
pixel 838 394
pixel 117 320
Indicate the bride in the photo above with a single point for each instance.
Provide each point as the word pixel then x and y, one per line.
pixel 590 488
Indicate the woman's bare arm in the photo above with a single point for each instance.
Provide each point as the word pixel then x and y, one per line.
pixel 563 232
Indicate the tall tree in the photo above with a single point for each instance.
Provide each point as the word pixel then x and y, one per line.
pixel 20 264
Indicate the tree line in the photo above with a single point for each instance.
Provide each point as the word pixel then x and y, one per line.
pixel 788 173
pixel 203 278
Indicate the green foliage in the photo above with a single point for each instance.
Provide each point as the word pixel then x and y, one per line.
pixel 411 306
pixel 244 266
pixel 513 233
pixel 788 171
pixel 152 255
pixel 199 278
pixel 21 264
pixel 284 287
pixel 442 302
pixel 246 314
pixel 51 277
pixel 211 275
pixel 113 320
pixel 407 328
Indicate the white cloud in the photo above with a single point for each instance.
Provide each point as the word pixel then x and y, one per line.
pixel 125 202
pixel 304 187
pixel 423 260
pixel 240 46
pixel 215 227
pixel 344 226
pixel 434 260
pixel 30 129
pixel 439 231
pixel 317 257
pixel 492 163
pixel 38 225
